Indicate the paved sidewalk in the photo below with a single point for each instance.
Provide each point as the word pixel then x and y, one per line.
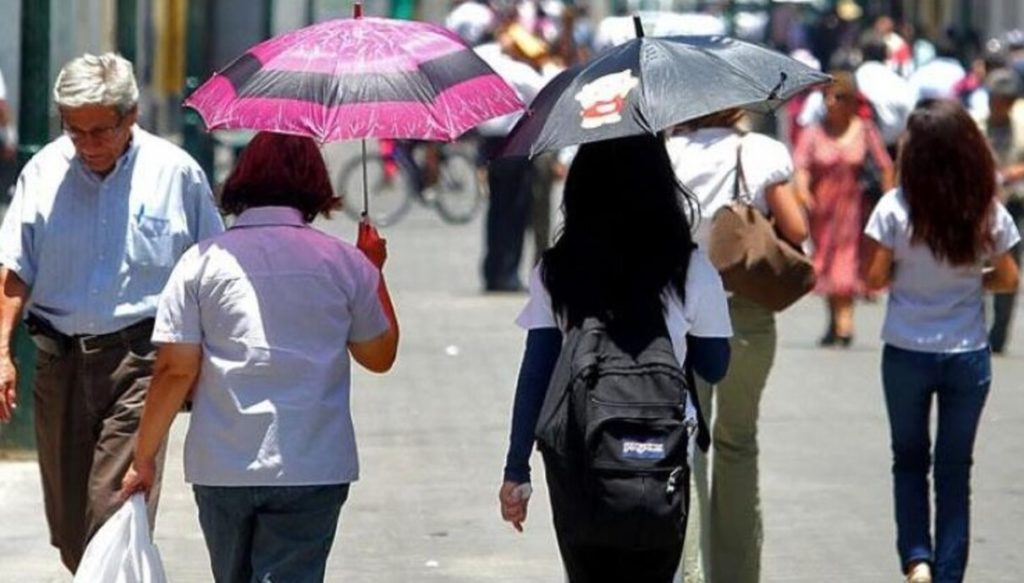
pixel 432 436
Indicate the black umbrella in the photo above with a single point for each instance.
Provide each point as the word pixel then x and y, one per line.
pixel 649 84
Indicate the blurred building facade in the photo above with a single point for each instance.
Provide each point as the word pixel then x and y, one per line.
pixel 160 30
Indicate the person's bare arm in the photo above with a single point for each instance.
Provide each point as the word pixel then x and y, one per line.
pixel 377 354
pixel 13 294
pixel 888 179
pixel 877 264
pixel 802 188
pixel 175 372
pixel 787 212
pixel 1004 275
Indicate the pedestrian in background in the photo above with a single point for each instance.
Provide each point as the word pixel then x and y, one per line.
pixel 510 180
pixel 99 218
pixel 716 159
pixel 625 255
pixel 890 96
pixel 830 159
pixel 7 151
pixel 938 241
pixel 258 324
pixel 1003 126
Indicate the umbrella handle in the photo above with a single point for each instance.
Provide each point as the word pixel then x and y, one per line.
pixel 366 191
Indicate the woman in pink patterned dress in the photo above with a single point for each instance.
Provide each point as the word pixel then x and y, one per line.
pixel 829 157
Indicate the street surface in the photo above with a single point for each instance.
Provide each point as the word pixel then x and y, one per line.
pixel 432 438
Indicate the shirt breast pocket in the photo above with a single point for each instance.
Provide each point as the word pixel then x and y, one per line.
pixel 151 243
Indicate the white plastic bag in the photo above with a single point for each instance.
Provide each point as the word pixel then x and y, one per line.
pixel 122 550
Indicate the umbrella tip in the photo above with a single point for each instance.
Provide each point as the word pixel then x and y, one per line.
pixel 638 26
pixel 357 10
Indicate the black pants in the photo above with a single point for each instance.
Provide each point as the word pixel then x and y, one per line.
pixel 607 565
pixel 511 189
pixel 586 563
pixel 1003 303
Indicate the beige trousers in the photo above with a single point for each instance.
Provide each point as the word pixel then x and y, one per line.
pixel 724 532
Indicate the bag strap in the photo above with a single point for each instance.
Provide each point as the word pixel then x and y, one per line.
pixel 741 177
pixel 869 153
pixel 703 435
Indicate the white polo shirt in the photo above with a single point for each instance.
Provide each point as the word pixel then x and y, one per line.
pixel 933 306
pixel 274 304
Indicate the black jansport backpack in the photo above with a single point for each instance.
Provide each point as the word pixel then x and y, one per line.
pixel 614 438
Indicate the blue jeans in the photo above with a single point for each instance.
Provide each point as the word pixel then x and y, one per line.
pixel 269 534
pixel 960 381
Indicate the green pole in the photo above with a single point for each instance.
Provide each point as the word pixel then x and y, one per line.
pixel 196 141
pixel 127 22
pixel 403 9
pixel 268 19
pixel 34 132
pixel 966 26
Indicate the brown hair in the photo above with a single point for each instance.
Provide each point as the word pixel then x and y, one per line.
pixel 280 170
pixel 726 118
pixel 948 177
pixel 842 80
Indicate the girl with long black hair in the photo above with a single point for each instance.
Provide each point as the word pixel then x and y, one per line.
pixel 625 255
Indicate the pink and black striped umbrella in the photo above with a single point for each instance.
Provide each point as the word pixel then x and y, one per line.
pixel 357 78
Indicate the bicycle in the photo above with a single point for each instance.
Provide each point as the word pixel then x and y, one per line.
pixel 401 171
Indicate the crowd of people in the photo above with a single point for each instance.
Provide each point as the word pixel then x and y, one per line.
pixel 900 176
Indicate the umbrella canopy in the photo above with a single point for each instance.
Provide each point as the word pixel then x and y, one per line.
pixel 357 78
pixel 649 84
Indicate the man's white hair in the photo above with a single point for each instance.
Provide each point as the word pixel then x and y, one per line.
pixel 107 79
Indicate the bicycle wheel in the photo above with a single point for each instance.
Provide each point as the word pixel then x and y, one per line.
pixel 390 190
pixel 459 194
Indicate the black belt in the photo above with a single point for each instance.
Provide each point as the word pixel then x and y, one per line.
pixel 48 338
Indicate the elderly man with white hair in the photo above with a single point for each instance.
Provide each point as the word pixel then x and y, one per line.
pixel 99 218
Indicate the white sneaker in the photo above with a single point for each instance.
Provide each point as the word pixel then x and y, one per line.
pixel 920 573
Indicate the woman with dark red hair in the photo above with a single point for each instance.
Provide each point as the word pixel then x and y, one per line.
pixel 258 326
pixel 930 241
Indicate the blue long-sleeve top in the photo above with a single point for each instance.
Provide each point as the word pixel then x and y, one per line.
pixel 709 357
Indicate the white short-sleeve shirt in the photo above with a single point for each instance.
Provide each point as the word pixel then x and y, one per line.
pixel 933 306
pixel 705 314
pixel 705 161
pixel 274 304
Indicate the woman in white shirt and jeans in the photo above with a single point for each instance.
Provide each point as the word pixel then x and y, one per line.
pixel 929 241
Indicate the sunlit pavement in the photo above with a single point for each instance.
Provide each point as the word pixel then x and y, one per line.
pixel 432 436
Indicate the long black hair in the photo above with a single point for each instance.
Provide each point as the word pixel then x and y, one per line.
pixel 626 235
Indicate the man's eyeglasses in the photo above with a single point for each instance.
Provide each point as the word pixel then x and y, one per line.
pixel 101 134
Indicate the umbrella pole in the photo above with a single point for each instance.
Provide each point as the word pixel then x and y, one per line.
pixel 366 192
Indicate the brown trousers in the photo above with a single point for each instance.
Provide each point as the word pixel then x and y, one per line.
pixel 87 410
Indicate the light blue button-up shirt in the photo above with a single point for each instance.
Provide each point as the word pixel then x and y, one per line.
pixel 274 304
pixel 96 252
